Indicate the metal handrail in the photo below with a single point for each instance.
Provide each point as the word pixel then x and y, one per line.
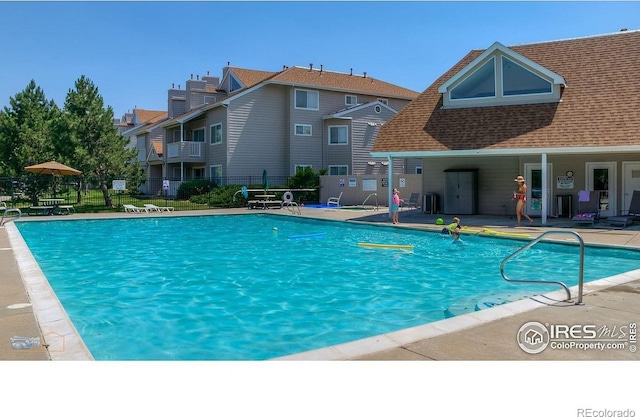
pixel 538 239
pixel 365 200
pixel 7 211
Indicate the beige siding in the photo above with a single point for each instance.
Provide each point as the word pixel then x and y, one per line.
pixel 217 154
pixel 305 150
pixel 257 133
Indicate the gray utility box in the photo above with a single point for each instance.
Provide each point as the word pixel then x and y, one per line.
pixel 461 191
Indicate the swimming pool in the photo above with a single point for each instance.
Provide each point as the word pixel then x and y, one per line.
pixel 259 286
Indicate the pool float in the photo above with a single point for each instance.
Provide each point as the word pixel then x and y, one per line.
pixel 496 233
pixel 287 197
pixel 466 229
pixel 245 193
pixel 384 246
pixel 312 236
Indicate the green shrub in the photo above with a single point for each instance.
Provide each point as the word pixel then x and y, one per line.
pixel 221 196
pixel 188 189
pixel 306 178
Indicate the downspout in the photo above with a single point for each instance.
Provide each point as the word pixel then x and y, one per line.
pixel 390 183
pixel 544 189
pixel 181 146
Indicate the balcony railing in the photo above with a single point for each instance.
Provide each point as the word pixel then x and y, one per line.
pixel 185 150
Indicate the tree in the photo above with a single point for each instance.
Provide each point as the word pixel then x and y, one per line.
pixel 26 130
pixel 90 139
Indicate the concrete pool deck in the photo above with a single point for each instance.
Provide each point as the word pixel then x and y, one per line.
pixel 30 311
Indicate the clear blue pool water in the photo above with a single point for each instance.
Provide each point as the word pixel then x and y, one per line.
pixel 234 288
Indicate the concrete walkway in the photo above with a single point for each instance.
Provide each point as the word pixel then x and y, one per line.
pixel 34 326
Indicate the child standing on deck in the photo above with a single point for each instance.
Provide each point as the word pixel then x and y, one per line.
pixel 395 205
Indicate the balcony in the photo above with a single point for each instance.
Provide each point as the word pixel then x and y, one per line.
pixel 185 151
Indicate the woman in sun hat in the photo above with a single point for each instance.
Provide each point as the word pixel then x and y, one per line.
pixel 521 197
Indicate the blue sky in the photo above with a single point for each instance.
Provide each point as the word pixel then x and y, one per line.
pixel 133 52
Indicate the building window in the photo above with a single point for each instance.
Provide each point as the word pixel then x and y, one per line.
pixel 377 109
pixel 216 133
pixel 216 173
pixel 517 80
pixel 338 135
pixel 307 99
pixel 197 135
pixel 176 136
pixel 338 169
pixel 303 130
pixel 299 168
pixel 480 84
pixel 350 100
pixel 234 84
pixel 419 170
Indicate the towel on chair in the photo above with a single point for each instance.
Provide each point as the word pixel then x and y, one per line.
pixel 583 196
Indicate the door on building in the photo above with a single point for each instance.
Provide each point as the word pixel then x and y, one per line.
pixel 630 183
pixel 533 178
pixel 601 176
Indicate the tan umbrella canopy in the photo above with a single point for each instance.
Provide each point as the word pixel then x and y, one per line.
pixel 52 168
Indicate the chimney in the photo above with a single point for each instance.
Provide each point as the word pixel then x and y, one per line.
pixel 310 67
pixel 364 74
pixel 173 85
pixel 351 72
pixel 198 77
pixel 320 67
pixel 192 76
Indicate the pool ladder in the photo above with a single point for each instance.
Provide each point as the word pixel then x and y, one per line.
pixel 538 239
pixel 7 211
pixel 369 196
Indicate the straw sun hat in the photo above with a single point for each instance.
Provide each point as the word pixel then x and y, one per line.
pixel 519 178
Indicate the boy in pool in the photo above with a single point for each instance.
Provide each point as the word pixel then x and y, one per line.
pixel 453 229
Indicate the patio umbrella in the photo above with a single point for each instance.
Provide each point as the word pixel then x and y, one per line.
pixel 52 168
pixel 265 179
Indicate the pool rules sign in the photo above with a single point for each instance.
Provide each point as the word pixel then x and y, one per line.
pixel 119 185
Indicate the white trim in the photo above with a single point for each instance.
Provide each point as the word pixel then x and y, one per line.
pixel 329 135
pixel 520 59
pixel 211 126
pixel 508 152
pixel 303 125
pixel 341 114
pixel 295 101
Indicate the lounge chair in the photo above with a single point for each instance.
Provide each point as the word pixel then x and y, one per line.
pixel 632 214
pixel 130 208
pixel 334 201
pixel 588 207
pixel 153 207
pixel 414 201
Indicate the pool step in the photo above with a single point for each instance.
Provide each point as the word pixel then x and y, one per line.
pixel 477 303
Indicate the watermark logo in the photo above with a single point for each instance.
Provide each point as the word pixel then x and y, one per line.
pixel 534 337
pixel 51 341
pixel 24 343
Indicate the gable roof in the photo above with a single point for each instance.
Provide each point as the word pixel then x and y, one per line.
pixel 149 116
pixel 303 78
pixel 344 113
pixel 337 81
pixel 598 107
pixel 497 46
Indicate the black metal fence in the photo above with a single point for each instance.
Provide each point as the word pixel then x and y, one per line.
pixel 188 194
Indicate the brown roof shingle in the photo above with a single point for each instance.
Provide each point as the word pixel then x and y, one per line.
pixel 340 81
pixel 600 105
